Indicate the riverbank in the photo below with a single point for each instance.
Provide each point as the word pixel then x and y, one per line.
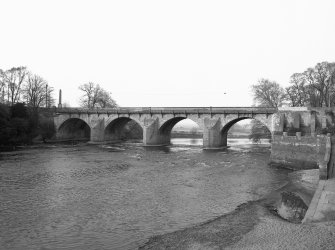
pixel 256 225
pixel 251 226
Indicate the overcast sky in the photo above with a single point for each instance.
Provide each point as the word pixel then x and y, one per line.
pixel 166 53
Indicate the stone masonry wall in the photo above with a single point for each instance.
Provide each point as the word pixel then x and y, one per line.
pixel 297 152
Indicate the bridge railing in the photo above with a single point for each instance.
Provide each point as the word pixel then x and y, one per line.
pixel 169 110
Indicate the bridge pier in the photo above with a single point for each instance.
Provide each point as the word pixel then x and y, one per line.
pixel 97 131
pixel 152 136
pixel 213 137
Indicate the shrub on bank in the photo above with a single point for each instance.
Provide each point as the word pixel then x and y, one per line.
pixel 46 128
pixel 258 131
pixel 19 125
pixel 4 125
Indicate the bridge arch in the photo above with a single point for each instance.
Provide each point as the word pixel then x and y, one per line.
pixel 74 129
pixel 231 123
pixel 167 126
pixel 122 128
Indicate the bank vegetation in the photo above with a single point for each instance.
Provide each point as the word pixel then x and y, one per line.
pixel 22 95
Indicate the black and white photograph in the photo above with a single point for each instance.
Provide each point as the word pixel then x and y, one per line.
pixel 151 124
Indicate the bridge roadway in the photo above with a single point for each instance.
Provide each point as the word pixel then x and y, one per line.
pixel 169 110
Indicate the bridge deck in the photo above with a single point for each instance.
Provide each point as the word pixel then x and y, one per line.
pixel 170 110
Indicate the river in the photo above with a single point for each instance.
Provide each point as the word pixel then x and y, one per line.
pixel 118 196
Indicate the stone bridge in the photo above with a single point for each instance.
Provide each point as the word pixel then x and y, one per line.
pixel 103 125
pixel 297 133
pixel 106 124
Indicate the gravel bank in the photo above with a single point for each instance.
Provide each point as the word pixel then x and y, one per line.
pixel 254 226
pixel 251 226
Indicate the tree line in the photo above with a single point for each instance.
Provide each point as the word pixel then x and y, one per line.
pixel 315 87
pixel 18 84
pixel 23 93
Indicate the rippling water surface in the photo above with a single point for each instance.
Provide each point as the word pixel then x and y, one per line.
pixel 117 196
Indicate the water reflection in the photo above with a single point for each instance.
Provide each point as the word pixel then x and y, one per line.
pixel 230 142
pixel 186 141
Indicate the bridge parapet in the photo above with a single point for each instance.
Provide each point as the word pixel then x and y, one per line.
pixel 169 110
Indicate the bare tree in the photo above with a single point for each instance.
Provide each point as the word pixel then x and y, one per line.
pixel 268 93
pixel 331 83
pixel 316 77
pixel 2 86
pixel 315 86
pixel 50 100
pixel 35 91
pixel 298 94
pixel 87 100
pixel 105 99
pixel 95 97
pixel 13 79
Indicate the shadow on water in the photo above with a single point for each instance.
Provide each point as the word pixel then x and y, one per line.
pixel 113 148
pixel 7 148
pixel 165 149
pixel 171 148
pixel 215 150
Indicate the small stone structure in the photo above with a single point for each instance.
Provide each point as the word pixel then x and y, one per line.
pixel 299 137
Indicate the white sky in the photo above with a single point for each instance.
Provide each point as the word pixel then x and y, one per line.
pixel 166 53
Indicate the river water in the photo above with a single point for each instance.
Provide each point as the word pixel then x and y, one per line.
pixel 117 196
